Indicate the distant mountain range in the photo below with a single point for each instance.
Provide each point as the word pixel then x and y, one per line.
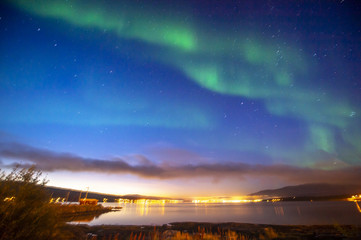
pixel 73 195
pixel 311 190
pixel 301 192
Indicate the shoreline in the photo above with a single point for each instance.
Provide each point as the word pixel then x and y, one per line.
pixel 76 212
pixel 245 230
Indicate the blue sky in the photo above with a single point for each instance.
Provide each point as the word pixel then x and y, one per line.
pixel 181 98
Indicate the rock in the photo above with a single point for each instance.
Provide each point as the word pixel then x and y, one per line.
pixel 169 234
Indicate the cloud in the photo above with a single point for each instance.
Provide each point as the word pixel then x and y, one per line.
pixel 47 160
pixel 171 155
pixel 51 161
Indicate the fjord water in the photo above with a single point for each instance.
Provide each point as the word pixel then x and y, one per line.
pixel 294 213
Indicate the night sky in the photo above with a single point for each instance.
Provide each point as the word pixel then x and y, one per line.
pixel 181 98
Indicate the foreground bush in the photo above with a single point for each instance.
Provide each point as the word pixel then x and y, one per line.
pixel 25 212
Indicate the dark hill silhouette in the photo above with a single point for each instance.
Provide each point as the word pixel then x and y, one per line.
pixel 74 195
pixel 311 190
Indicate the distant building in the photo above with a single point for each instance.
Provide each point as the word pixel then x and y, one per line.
pixel 88 201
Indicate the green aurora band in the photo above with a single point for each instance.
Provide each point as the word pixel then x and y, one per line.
pixel 239 65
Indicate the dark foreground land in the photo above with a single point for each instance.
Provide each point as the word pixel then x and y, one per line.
pixel 213 231
pixel 76 212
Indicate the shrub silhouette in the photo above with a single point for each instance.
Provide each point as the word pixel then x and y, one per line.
pixel 25 212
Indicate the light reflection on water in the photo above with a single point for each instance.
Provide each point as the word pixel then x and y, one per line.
pixel 331 212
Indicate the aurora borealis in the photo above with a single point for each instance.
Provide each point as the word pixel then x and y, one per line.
pixel 181 98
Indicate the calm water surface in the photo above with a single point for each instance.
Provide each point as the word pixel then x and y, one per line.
pixel 331 212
